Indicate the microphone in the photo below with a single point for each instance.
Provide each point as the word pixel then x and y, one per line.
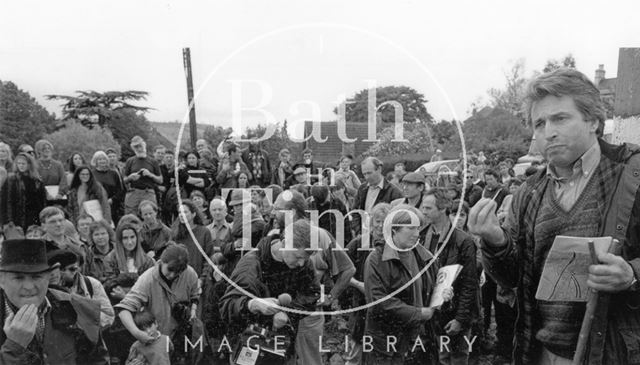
pixel 284 300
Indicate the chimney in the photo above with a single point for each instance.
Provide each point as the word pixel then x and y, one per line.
pixel 599 75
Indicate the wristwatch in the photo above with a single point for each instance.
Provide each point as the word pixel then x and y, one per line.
pixel 635 284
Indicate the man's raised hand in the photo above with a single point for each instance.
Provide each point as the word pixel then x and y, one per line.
pixel 484 222
pixel 21 326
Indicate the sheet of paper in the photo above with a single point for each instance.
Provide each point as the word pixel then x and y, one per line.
pixel 52 190
pixel 564 276
pixel 93 208
pixel 446 276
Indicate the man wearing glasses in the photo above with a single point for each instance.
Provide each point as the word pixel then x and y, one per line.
pixel 69 277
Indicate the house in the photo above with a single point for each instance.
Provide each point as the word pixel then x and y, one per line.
pixel 623 91
pixel 330 150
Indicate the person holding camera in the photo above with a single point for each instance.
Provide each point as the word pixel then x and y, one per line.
pixel 170 291
pixel 267 274
pixel 143 175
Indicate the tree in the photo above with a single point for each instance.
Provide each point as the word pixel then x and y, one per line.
pixel 91 107
pixel 22 119
pixel 497 132
pixel 413 104
pixel 75 137
pixel 553 64
pixel 417 134
pixel 111 110
pixel 444 132
pixel 510 98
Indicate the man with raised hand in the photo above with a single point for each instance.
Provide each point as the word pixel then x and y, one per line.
pixel 589 189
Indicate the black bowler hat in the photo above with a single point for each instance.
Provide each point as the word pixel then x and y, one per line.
pixel 25 256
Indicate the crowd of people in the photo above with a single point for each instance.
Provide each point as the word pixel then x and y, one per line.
pixel 241 248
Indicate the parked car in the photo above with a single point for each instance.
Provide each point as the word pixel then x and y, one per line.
pixel 439 173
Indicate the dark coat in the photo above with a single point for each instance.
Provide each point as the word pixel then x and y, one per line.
pixel 397 315
pixel 259 274
pixel 387 194
pixel 461 250
pixel 473 194
pixel 64 343
pixel 617 319
pixel 17 207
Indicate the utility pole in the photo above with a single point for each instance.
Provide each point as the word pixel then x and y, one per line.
pixel 193 131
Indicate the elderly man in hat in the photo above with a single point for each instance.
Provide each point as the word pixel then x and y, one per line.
pixel 413 185
pixel 143 175
pixel 43 325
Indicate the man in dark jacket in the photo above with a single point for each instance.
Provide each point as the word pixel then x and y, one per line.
pixel 473 192
pixel 459 248
pixel 589 189
pixel 375 190
pixel 43 325
pixel 266 273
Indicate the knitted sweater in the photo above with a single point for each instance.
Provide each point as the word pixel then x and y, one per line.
pixel 560 321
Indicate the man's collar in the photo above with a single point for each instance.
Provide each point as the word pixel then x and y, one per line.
pixel 379 185
pixel 583 166
pixel 219 225
pixel 390 253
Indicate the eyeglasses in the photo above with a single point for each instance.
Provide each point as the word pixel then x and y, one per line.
pixel 29 152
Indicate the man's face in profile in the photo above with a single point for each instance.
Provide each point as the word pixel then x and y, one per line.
pixel 25 288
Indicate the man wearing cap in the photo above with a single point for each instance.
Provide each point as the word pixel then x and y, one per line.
pixel 43 325
pixel 143 174
pixel 299 178
pixel 72 280
pixel 412 188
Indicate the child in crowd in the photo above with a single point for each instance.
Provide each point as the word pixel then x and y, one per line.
pixel 155 352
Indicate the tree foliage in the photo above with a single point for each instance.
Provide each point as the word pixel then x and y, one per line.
pixel 91 107
pixel 112 110
pixel 22 119
pixel 554 64
pixel 498 133
pixel 510 97
pixel 75 137
pixel 417 134
pixel 413 104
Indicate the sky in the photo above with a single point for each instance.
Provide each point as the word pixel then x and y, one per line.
pixel 256 61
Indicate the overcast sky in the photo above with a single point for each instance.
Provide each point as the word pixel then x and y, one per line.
pixel 292 55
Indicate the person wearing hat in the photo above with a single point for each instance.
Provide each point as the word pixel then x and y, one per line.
pixel 143 175
pixel 413 185
pixel 247 227
pixel 40 324
pixel 72 280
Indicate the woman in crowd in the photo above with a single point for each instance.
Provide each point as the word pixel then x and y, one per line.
pixel 110 181
pixel 127 256
pixel 101 242
pixel 155 235
pixel 404 316
pixel 199 200
pixel 191 177
pixel 189 215
pixel 23 194
pixel 6 161
pixel 75 161
pixel 243 180
pixel 51 171
pixel 170 291
pixel 85 188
